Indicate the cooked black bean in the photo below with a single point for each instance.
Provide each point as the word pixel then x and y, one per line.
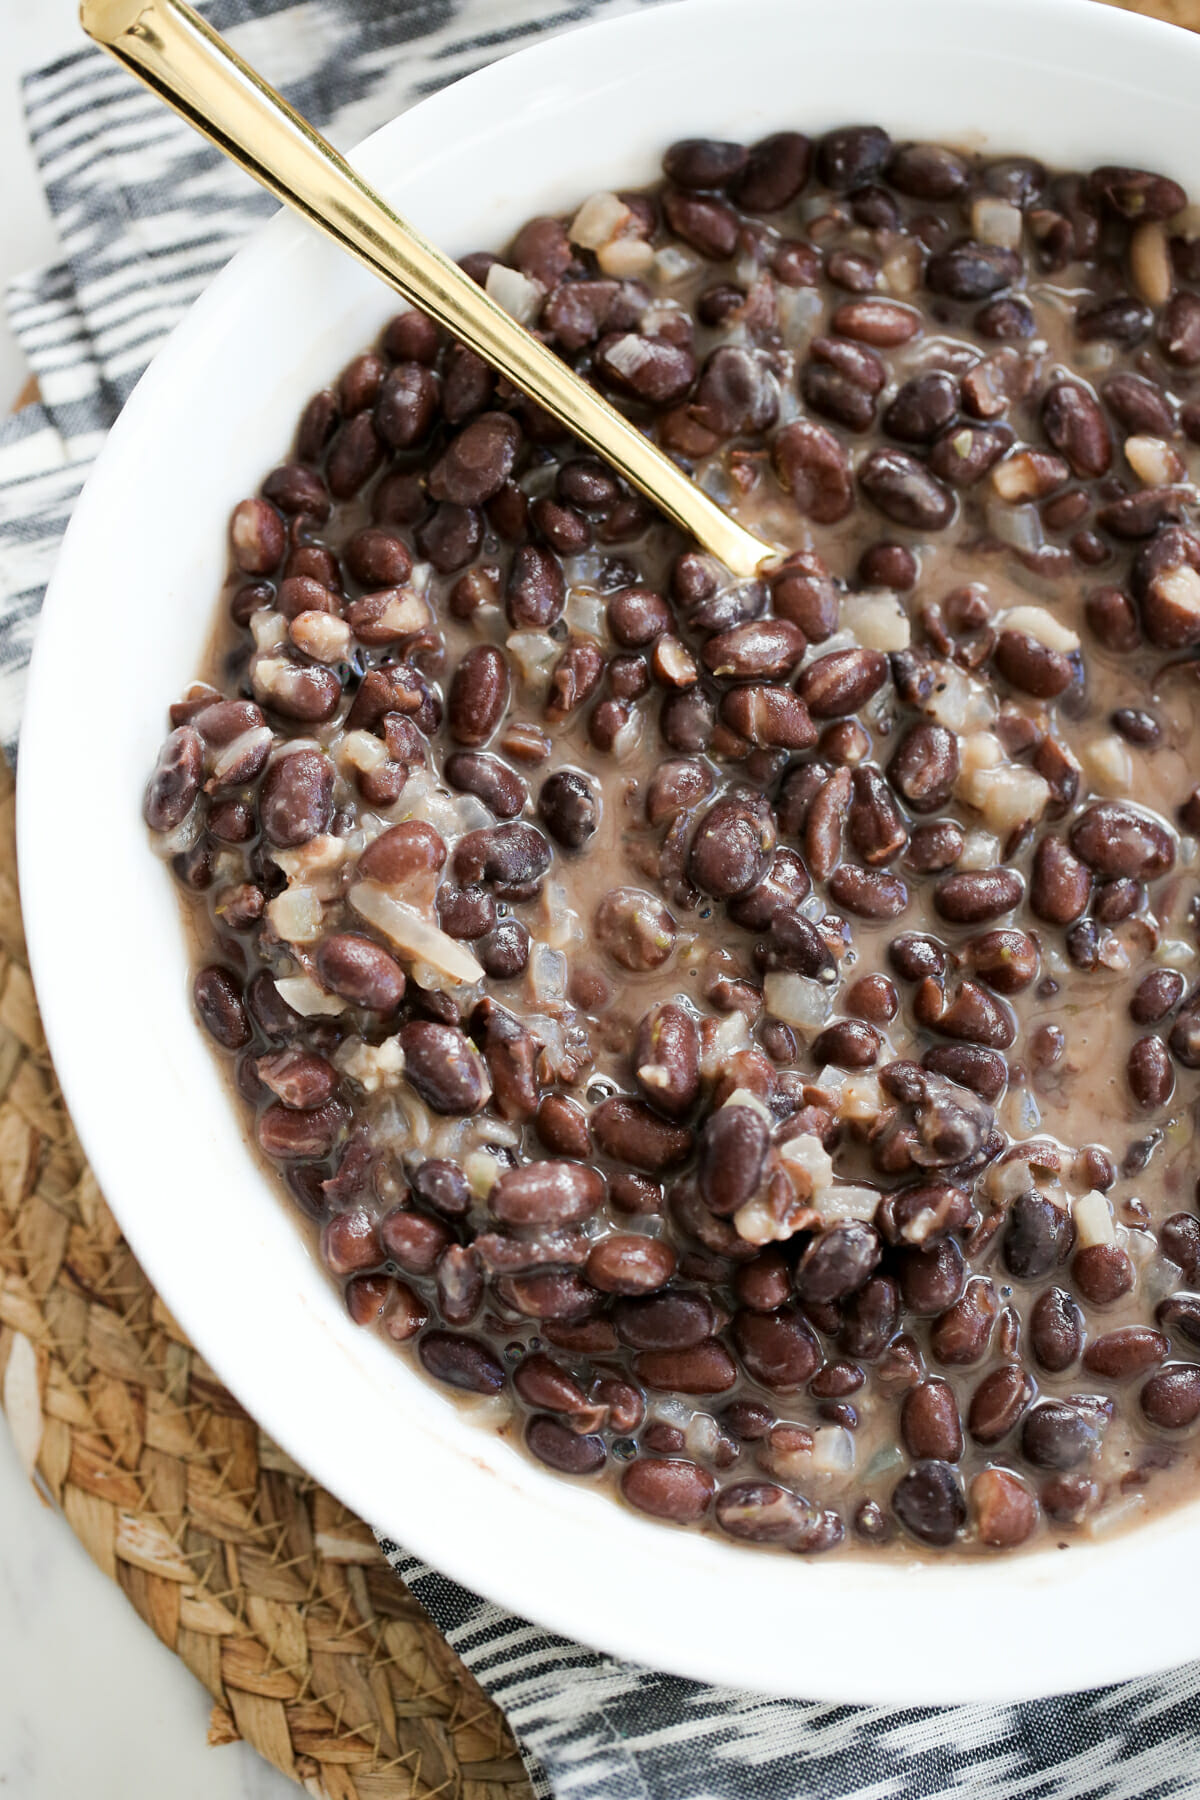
pixel 778 1349
pixel 569 808
pixel 1056 1330
pixel 1037 1236
pixel 928 1502
pixel 1058 1434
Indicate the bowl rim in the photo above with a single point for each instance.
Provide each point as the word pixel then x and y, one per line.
pixel 544 1575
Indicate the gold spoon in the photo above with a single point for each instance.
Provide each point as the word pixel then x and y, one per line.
pixel 185 62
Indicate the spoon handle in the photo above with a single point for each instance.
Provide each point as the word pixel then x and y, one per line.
pixel 169 47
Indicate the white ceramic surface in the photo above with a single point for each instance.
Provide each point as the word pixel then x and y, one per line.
pixel 124 626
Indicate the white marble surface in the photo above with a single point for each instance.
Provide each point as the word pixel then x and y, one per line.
pixel 91 1704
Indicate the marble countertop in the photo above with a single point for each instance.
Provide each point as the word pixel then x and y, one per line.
pixel 91 1704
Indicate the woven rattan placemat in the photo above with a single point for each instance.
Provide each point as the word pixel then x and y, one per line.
pixel 275 1596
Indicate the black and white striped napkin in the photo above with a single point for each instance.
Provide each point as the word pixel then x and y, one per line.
pixel 147 213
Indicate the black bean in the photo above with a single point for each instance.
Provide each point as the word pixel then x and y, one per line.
pixel 813 467
pixel 1037 1236
pixel 778 1349
pixel 668 1488
pixel 774 172
pixel 569 808
pixel 1058 1435
pixel 219 1002
pixel 904 490
pixel 852 156
pixel 971 271
pixel 461 1362
pixel 928 1502
pixel 561 1448
pixel 175 783
pixel 1171 1398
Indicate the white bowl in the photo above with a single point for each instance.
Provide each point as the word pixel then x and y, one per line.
pixel 125 623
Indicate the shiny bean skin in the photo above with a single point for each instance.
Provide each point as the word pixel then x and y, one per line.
pixel 362 972
pixel 928 1502
pixel 668 1488
pixel 570 1452
pixel 1171 1398
pixel 461 1361
pixel 547 1193
pixel 478 695
pixel 219 1002
pixel 1130 1350
pixel 626 1264
pixel 1004 1511
pixel 1056 1330
pixel 929 1422
pixel 778 1349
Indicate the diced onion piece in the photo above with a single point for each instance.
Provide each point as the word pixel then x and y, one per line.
pixel 363 751
pixel 1109 762
pixel 322 855
pixel 600 219
pixel 996 221
pixel 979 750
pixel 587 611
pixel 1181 588
pixel 1150 262
pixel 547 975
pixel 672 263
pixel 482 1172
pixel 415 936
pixel 877 620
pixel 1093 1221
pixel 797 1000
pixel 846 1202
pixel 1007 1181
pixel 295 916
pixel 373 1066
pixel 981 850
pixel 625 256
pixel 268 629
pixel 560 922
pixel 1152 460
pixel 1007 794
pixel 731 1035
pixel 901 268
pixel 520 297
pixel 958 702
pixel 535 654
pixel 629 354
pixel 302 994
pixel 322 636
pixel 743 1097
pixel 862 1099
pixel 833 1450
pixel 757 1222
pixel 702 1435
pixel 807 1162
pixel 1018 526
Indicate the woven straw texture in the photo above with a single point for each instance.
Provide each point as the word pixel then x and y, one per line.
pixel 1175 12
pixel 272 1593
